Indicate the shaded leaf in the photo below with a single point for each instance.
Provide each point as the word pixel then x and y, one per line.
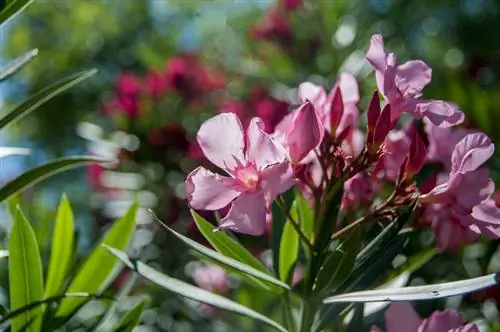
pixel 41 172
pixel 44 95
pixel 226 245
pixel 290 251
pixel 25 273
pixel 356 323
pixel 191 292
pixel 99 266
pixel 417 293
pixel 132 318
pixel 13 66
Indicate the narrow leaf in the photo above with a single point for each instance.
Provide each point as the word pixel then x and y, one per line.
pixel 278 225
pixel 13 66
pixel 25 273
pixel 356 323
pixel 226 245
pixel 191 292
pixel 99 266
pixel 62 248
pixel 417 293
pixel 290 251
pixel 305 215
pixel 132 318
pixel 13 8
pixel 44 95
pixel 225 261
pixel 41 172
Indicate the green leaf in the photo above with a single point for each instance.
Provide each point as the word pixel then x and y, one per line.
pixel 25 273
pixel 227 262
pixel 305 215
pixel 132 318
pixel 41 172
pixel 191 292
pixel 36 305
pixel 62 248
pixel 288 257
pixel 15 65
pixel 226 245
pixel 13 8
pixel 99 266
pixel 356 323
pixel 277 227
pixel 418 293
pixel 340 263
pixel 43 96
pixel 413 263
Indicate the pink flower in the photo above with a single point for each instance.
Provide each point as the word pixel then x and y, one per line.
pixel 395 150
pixel 128 95
pixel 401 317
pixel 212 278
pixel 463 196
pixel 291 5
pixel 257 168
pixel 275 27
pixel 358 189
pixel 156 84
pixel 402 87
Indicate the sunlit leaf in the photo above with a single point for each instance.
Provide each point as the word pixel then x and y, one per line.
pixel 43 96
pixel 416 293
pixel 226 245
pixel 289 252
pixel 191 292
pixel 13 8
pixel 13 66
pixel 62 248
pixel 25 273
pixel 132 318
pixel 4 254
pixel 278 225
pixel 95 272
pixel 41 172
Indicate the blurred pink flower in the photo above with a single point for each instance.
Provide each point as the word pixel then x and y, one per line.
pixel 257 169
pixel 211 278
pixel 358 189
pixel 291 5
pixel 275 27
pixel 128 93
pixel 401 317
pixel 402 87
pixel 156 84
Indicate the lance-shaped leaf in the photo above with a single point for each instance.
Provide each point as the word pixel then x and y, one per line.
pixel 95 272
pixel 13 66
pixel 191 292
pixel 417 293
pixel 25 273
pixel 12 8
pixel 62 248
pixel 43 96
pixel 132 318
pixel 277 227
pixel 226 245
pixel 227 262
pixel 290 245
pixel 41 172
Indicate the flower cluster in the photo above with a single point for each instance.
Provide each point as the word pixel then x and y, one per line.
pixel 320 144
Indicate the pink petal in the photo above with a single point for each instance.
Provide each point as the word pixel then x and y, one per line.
pixel 376 54
pixel 471 153
pixel 401 315
pixel 209 191
pixel 349 88
pixel 222 141
pixel 396 148
pixel 418 154
pixel 349 120
pixel 247 214
pixel 275 180
pixel 262 149
pixel 440 113
pixel 373 114
pixel 306 133
pixel 412 77
pixel 311 92
pixel 336 110
pixel 383 126
pixel 486 218
pixel 442 321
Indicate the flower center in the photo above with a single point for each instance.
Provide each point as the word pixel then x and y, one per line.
pixel 248 177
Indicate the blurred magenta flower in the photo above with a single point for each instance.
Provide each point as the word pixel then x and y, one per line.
pixel 275 27
pixel 156 84
pixel 127 96
pixel 257 168
pixel 358 189
pixel 291 5
pixel 212 278
pixel 401 317
pixel 402 87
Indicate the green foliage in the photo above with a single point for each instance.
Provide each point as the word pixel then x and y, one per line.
pixel 132 318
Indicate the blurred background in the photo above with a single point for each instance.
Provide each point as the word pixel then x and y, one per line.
pixel 165 66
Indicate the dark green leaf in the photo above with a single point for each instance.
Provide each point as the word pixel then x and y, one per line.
pixel 44 95
pixel 241 268
pixel 289 251
pixel 99 266
pixel 62 248
pixel 413 263
pixel 356 323
pixel 132 318
pixel 226 245
pixel 191 292
pixel 41 172
pixel 25 273
pixel 16 64
pixel 13 8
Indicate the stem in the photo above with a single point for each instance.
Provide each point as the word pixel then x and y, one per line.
pixel 307 319
pixel 290 321
pixel 294 223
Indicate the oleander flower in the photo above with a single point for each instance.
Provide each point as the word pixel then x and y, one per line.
pixel 257 168
pixel 212 278
pixel 402 85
